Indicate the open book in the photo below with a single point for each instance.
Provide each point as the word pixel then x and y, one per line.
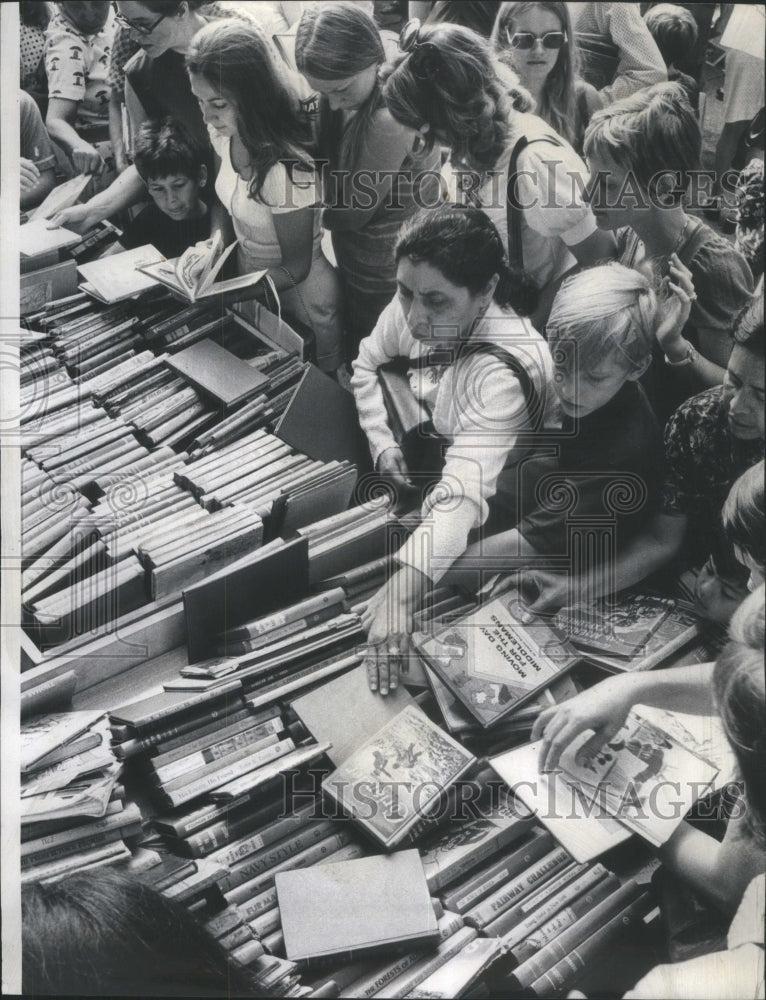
pixel 193 274
pixel 644 779
pixel 61 197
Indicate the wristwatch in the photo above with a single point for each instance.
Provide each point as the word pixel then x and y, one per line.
pixel 688 359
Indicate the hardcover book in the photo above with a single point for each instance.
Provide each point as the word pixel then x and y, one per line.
pixel 618 627
pixel 493 661
pixel 194 273
pixel 390 782
pixel 119 277
pixel 362 905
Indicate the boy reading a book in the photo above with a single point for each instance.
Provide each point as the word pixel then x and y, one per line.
pixel 172 166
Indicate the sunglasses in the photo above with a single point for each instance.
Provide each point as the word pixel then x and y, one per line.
pixel 424 56
pixel 525 40
pixel 140 29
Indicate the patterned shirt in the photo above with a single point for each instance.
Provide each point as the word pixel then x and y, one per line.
pixel 77 65
pixel 703 460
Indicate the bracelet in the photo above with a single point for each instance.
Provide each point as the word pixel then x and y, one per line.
pixel 688 359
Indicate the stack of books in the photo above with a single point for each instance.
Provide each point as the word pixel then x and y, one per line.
pixel 73 810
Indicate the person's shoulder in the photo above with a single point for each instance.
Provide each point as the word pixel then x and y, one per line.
pixel 137 65
pixel 701 413
pixel 716 256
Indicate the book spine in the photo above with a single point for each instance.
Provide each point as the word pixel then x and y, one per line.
pixel 203 742
pixel 174 736
pixel 298 612
pixel 183 826
pixel 266 923
pixel 77 846
pixel 223 922
pixel 239 647
pixel 566 972
pixel 77 862
pixel 237 883
pixel 526 944
pixel 223 775
pixel 187 704
pixel 249 952
pixel 511 892
pixel 240 849
pixel 262 903
pixel 200 767
pixel 236 937
pixel 369 985
pixel 570 939
pixel 124 817
pixel 531 903
pixel 306 858
pixel 255 719
pixel 405 983
pixel 467 894
pixel 506 836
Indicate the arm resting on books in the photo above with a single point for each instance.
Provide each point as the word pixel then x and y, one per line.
pixel 604 707
pixel 648 552
pixel 720 871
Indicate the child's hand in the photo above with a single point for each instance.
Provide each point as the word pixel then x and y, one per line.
pixel 678 295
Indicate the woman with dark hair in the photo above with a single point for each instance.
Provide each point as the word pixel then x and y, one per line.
pixel 537 40
pixel 102 933
pixel 446 85
pixel 483 374
pixel 267 180
pixel 157 86
pixel 372 166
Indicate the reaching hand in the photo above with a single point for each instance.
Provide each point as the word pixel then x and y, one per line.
pixel 87 159
pixel 675 309
pixel 388 622
pixel 543 590
pixel 602 708
pixel 391 464
pixel 30 175
pixel 79 218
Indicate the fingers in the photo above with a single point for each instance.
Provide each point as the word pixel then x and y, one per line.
pixel 541 722
pixel 383 664
pixel 594 743
pixel 371 665
pixel 555 743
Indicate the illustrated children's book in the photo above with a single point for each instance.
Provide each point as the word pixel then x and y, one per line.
pixel 194 273
pixel 494 660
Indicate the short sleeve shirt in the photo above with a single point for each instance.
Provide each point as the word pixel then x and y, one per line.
pixel 123 49
pixel 78 65
pixel 554 213
pixel 703 460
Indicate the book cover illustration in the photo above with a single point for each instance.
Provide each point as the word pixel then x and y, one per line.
pixel 494 661
pixel 392 780
pixel 643 776
pixel 619 627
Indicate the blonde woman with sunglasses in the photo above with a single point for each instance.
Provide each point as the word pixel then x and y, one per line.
pixel 448 86
pixel 536 40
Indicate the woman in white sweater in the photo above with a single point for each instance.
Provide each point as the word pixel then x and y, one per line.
pixel 485 376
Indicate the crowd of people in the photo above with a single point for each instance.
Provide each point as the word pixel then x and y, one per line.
pixel 506 200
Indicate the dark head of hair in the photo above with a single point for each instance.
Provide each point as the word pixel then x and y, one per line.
pixel 654 133
pixel 101 933
pixel 748 327
pixel 451 83
pixel 34 13
pixel 558 103
pixel 674 30
pixel 238 58
pixel 463 244
pixel 738 686
pixel 163 147
pixel 335 41
pixel 744 514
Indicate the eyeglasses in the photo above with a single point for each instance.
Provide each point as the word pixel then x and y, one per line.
pixel 140 29
pixel 424 56
pixel 526 40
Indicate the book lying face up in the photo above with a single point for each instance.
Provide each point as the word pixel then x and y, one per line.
pixel 356 907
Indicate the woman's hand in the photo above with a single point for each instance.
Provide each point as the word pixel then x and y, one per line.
pixel 391 464
pixel 30 175
pixel 602 708
pixel 387 620
pixel 678 295
pixel 543 590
